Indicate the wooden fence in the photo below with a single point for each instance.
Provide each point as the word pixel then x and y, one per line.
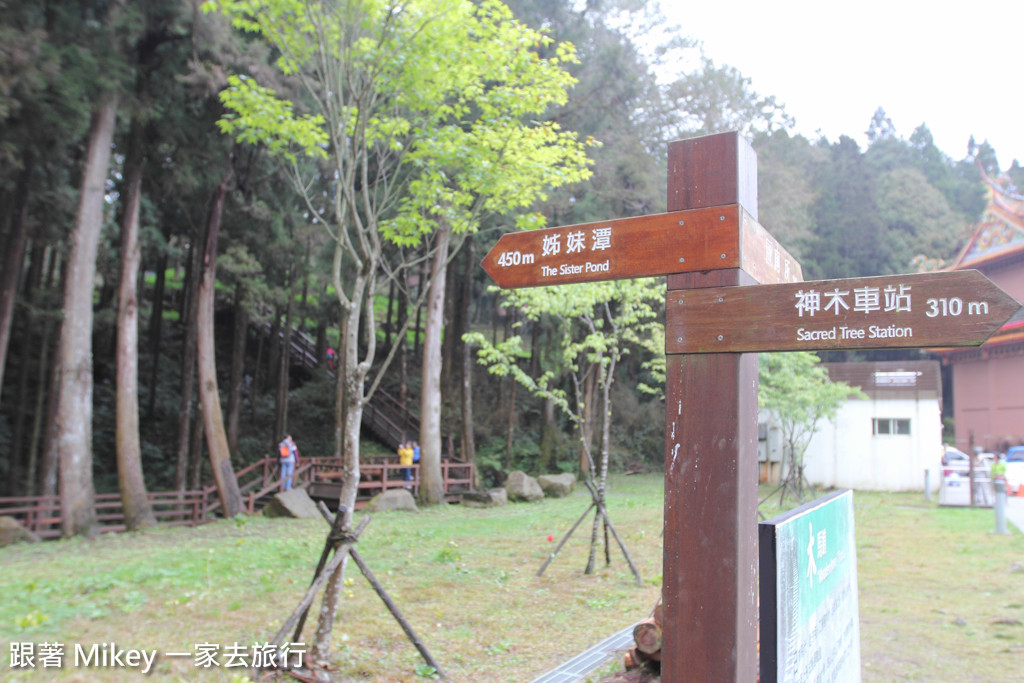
pixel 322 477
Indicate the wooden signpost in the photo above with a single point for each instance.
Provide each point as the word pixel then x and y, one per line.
pixel 732 290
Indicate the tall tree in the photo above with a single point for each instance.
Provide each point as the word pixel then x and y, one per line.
pixel 849 238
pixel 411 102
pixel 600 323
pixel 213 416
pixel 138 512
pixel 74 357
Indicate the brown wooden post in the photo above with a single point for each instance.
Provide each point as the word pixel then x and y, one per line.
pixel 710 553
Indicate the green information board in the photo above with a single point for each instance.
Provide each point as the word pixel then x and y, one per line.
pixel 810 626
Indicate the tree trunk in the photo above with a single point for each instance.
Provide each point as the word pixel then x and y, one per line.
pixel 17 482
pixel 50 453
pixel 273 355
pixel 431 481
pixel 451 326
pixel 589 387
pixel 237 366
pixel 606 435
pixel 12 260
pixel 213 419
pixel 468 439
pixel 74 407
pixel 51 444
pixel 388 320
pixel 188 372
pixel 44 385
pixel 281 402
pixel 510 423
pixel 194 466
pixel 156 320
pixel 401 339
pixel 348 417
pixel 419 310
pixel 138 513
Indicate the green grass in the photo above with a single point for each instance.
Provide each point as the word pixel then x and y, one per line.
pixel 939 598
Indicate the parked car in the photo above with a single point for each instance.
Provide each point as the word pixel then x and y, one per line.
pixel 952 456
pixel 1014 468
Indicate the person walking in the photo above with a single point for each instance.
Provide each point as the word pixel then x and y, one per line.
pixel 405 458
pixel 288 454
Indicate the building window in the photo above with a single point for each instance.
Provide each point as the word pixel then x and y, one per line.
pixel 890 425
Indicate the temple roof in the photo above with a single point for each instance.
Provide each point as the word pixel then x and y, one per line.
pixel 1000 233
pixel 997 239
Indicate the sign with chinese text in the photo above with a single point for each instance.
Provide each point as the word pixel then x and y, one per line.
pixel 676 242
pixel 810 627
pixel 960 308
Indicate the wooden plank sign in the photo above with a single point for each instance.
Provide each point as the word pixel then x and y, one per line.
pixel 693 240
pixel 959 308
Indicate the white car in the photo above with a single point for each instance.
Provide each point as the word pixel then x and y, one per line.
pixel 1014 469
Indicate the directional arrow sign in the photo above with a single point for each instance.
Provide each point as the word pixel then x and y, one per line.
pixel 959 308
pixel 677 242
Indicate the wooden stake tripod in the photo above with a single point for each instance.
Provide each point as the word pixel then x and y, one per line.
pixel 601 513
pixel 342 542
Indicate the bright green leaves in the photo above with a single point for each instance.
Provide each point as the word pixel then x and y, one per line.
pixel 599 323
pixel 430 110
pixel 256 115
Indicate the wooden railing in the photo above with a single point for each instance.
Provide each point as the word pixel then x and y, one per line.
pixel 41 514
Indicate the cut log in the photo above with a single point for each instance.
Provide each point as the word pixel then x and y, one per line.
pixel 647 635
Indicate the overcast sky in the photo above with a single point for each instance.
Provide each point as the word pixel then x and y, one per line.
pixel 956 66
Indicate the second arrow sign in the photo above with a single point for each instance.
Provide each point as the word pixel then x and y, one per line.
pixel 959 308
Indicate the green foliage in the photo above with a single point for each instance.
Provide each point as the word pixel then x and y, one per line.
pixel 269 120
pixel 426 671
pixel 900 205
pixel 599 323
pixel 441 94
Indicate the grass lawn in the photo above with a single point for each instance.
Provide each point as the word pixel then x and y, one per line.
pixel 941 598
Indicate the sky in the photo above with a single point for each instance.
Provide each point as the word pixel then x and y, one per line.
pixel 956 66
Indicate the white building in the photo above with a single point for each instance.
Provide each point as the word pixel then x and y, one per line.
pixel 884 442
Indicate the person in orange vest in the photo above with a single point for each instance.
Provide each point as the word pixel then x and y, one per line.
pixel 288 456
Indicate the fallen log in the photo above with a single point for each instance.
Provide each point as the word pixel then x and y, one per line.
pixel 647 635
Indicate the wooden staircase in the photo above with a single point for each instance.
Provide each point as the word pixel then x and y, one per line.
pixel 384 417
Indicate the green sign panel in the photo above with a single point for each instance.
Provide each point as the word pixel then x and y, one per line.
pixel 810 628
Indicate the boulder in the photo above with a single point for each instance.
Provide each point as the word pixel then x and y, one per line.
pixel 557 485
pixel 393 499
pixel 522 487
pixel 485 499
pixel 291 503
pixel 499 496
pixel 12 532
